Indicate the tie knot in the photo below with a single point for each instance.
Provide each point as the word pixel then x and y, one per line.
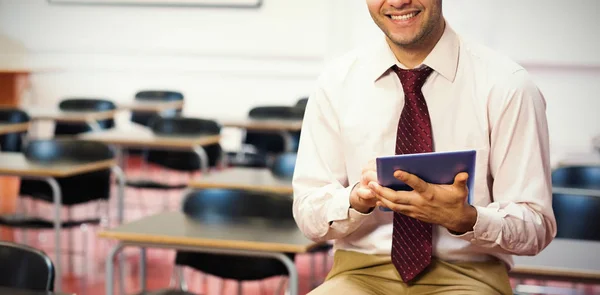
pixel 413 80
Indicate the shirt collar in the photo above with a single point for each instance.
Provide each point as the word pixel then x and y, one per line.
pixel 442 59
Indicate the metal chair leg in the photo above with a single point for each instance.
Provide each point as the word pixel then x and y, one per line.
pixel 84 264
pixel 281 286
pixel 70 267
pixel 182 283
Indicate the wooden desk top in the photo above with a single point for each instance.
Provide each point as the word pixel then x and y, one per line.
pixel 174 228
pixel 254 179
pixel 16 164
pixel 39 113
pixel 138 136
pixel 563 258
pixel 13 291
pixel 13 127
pixel 151 106
pixel 264 125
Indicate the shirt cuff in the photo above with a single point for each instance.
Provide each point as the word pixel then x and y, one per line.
pixel 339 208
pixel 487 226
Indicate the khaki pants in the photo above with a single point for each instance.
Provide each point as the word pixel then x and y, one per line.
pixel 357 273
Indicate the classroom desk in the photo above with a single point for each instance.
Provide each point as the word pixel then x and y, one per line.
pixel 57 115
pixel 13 291
pixel 140 137
pixel 15 164
pixel 283 127
pixel 6 128
pixel 252 179
pixel 245 237
pixel 563 259
pixel 151 106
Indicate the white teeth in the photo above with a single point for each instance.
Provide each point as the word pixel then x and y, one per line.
pixel 403 17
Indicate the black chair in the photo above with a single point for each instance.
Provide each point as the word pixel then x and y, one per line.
pixel 78 189
pixel 144 118
pixel 583 177
pixel 12 142
pixel 23 267
pixel 235 206
pixel 83 105
pixel 577 212
pixel 270 142
pixel 283 165
pixel 301 103
pixel 577 216
pixel 183 161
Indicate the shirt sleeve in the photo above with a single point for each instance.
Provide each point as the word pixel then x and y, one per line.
pixel 321 189
pixel 520 219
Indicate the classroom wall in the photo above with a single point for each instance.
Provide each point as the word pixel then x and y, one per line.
pixel 225 61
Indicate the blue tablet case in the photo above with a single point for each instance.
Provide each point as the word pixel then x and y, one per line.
pixel 436 167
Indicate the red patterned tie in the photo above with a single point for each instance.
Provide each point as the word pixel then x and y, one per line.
pixel 411 242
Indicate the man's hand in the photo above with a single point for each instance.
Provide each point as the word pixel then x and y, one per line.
pixel 362 199
pixel 437 204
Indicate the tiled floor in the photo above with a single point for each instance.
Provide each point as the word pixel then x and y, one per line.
pixel 160 262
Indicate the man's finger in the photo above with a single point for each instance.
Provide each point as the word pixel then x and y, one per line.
pixel 412 180
pixel 460 180
pixel 400 208
pixel 397 197
pixel 365 193
pixel 368 176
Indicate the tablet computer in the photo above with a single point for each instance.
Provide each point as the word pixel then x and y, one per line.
pixel 435 167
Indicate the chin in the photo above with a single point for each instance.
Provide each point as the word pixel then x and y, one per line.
pixel 403 39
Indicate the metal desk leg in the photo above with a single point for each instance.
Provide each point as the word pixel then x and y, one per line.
pixel 57 197
pixel 121 192
pixel 110 269
pixel 201 152
pixel 143 269
pixel 94 126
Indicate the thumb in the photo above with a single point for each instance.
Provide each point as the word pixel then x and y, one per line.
pixel 460 180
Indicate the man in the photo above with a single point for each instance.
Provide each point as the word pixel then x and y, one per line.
pixel 423 89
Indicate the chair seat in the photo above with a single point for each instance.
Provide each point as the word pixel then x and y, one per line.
pixel 151 184
pixel 321 248
pixel 30 222
pixel 233 267
pixel 165 292
pixel 246 159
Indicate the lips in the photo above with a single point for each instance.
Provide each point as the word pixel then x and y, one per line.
pixel 403 16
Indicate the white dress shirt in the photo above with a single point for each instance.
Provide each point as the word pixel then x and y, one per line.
pixel 477 99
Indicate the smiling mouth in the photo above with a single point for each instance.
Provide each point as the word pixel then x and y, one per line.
pixel 404 17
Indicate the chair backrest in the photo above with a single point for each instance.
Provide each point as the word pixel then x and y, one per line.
pixel 12 142
pixel 144 118
pixel 181 126
pixel 83 105
pixel 269 142
pixel 301 103
pixel 276 112
pixel 577 216
pixel 232 205
pixel 23 267
pixel 283 165
pixel 587 177
pixel 184 126
pixel 52 150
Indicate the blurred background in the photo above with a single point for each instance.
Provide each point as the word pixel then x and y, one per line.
pixel 228 60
